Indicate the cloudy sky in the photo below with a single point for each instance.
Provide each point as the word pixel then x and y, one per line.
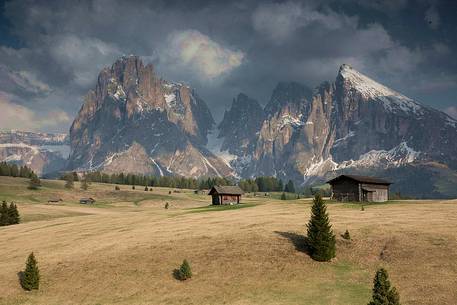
pixel 52 51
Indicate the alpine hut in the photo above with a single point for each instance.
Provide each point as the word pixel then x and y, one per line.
pixel 359 188
pixel 225 194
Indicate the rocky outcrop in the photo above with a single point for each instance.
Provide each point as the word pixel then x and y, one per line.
pixel 134 121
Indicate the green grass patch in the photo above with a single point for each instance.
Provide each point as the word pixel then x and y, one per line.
pixel 223 207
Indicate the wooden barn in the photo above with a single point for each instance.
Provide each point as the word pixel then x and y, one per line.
pixel 225 194
pixel 359 188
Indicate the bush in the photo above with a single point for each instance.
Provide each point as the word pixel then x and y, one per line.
pixel 34 183
pixel 146 188
pixel 184 272
pixel 30 278
pixel 133 187
pixel 320 239
pixel 383 294
pixel 117 188
pixel 283 196
pixel 346 235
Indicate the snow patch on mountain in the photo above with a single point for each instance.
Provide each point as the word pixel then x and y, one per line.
pixel 372 90
pixel 397 156
pixel 287 119
pixel 343 139
pixel 214 145
pixel 318 168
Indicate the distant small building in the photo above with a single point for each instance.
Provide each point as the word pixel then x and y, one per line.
pixel 87 200
pixel 359 188
pixel 54 200
pixel 225 194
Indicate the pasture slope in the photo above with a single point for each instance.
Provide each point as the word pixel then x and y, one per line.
pixel 123 249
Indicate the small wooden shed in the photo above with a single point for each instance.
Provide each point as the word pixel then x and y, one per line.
pixel 87 200
pixel 359 188
pixel 225 194
pixel 54 200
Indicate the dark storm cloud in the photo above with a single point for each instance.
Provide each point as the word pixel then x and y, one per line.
pixel 55 49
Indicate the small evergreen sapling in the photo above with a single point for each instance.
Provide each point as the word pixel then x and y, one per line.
pixel 13 214
pixel 30 278
pixel 4 215
pixel 34 183
pixel 383 293
pixel 69 181
pixel 346 235
pixel 320 239
pixel 184 272
pixel 85 184
pixel 283 196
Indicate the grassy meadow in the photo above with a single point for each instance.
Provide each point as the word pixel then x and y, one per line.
pixel 124 248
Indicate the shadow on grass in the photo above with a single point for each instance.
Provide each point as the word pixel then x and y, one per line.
pixel 178 275
pixel 299 241
pixel 20 278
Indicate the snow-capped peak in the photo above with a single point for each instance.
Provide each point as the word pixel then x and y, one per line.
pixel 372 90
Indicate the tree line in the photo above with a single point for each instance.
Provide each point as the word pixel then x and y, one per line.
pixel 266 184
pixel 13 170
pixel 145 180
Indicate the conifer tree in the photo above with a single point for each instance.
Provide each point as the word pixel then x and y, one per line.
pixel 320 240
pixel 4 215
pixel 383 294
pixel 184 272
pixel 35 182
pixel 13 214
pixel 85 183
pixel 69 181
pixel 290 187
pixel 346 235
pixel 31 276
pixel 283 196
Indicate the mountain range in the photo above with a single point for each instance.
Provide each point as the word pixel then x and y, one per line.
pixel 134 121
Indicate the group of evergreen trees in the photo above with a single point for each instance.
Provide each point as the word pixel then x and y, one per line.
pixel 266 184
pixel 132 179
pixel 9 215
pixel 13 170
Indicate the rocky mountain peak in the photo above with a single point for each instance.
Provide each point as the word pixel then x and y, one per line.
pixel 240 124
pixel 288 94
pixel 132 114
pixel 354 83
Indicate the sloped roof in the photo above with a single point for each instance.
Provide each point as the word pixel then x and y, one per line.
pixel 363 179
pixel 226 190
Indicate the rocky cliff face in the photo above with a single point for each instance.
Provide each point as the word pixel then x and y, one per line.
pixel 354 124
pixel 240 125
pixel 133 121
pixel 44 153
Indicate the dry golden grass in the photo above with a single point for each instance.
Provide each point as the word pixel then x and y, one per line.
pixel 124 250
